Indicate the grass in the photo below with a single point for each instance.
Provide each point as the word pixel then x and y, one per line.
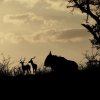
pixel 16 74
pixel 88 73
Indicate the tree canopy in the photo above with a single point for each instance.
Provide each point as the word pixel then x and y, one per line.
pixel 92 10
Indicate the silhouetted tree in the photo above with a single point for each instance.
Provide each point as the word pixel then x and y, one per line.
pixel 92 9
pixel 92 58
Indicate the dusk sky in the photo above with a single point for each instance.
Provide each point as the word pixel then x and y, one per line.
pixel 31 28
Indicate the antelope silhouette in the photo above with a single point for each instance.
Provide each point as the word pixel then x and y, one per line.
pixel 34 66
pixel 25 68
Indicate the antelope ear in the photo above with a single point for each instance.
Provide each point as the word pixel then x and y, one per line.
pixel 50 53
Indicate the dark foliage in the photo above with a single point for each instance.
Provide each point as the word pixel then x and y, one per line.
pixel 92 9
pixel 62 70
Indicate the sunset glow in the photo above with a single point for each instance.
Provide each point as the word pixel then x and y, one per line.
pixel 31 28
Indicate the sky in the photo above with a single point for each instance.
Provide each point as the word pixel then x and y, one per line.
pixel 31 28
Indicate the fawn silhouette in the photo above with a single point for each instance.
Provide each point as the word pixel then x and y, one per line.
pixel 34 66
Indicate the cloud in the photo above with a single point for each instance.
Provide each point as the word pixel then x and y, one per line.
pixel 10 38
pixel 47 23
pixel 32 20
pixel 74 35
pixel 2 38
pixel 28 2
pixel 13 38
pixel 38 17
pixel 57 4
pixel 11 19
pixel 21 18
pixel 64 36
pixel 29 18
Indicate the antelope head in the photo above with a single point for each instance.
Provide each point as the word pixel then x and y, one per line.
pixel 22 61
pixel 31 59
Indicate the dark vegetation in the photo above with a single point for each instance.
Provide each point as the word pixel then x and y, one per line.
pixel 61 69
pixel 92 10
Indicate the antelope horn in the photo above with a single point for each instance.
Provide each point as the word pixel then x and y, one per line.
pixel 33 58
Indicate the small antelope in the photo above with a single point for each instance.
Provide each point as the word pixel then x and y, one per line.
pixel 25 68
pixel 34 66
